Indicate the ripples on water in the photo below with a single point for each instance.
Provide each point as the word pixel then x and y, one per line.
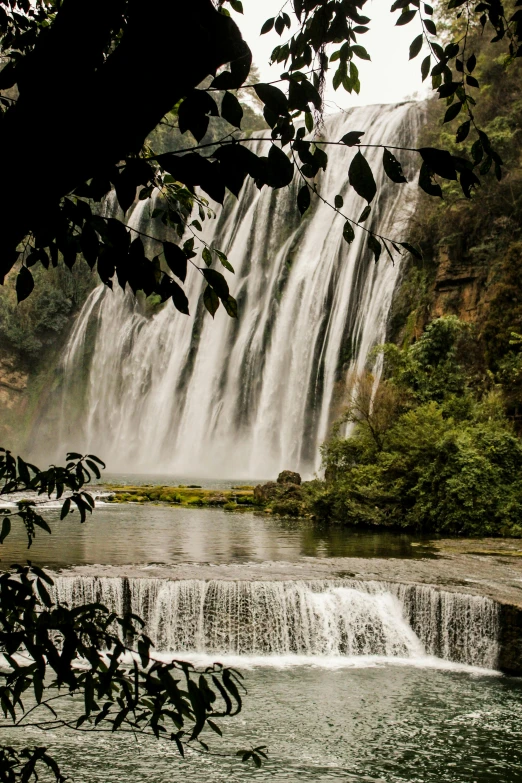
pixel 132 533
pixel 379 723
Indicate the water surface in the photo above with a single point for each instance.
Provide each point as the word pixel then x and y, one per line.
pixel 132 533
pixel 378 723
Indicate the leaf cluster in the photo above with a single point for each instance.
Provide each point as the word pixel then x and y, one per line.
pixel 54 652
pixel 17 476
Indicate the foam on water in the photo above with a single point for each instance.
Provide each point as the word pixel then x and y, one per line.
pixel 246 397
pixel 292 620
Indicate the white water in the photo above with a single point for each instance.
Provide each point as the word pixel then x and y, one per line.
pixel 300 621
pixel 253 396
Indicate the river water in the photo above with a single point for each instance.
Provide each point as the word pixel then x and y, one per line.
pixel 132 533
pixel 392 698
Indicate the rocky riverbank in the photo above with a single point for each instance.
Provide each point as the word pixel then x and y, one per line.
pixel 285 497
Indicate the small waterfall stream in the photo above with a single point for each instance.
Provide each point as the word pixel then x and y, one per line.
pixel 317 618
pixel 193 396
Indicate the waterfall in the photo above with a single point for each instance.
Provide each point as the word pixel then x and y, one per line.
pixel 246 398
pixel 317 618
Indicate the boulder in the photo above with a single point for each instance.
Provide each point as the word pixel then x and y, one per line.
pixel 217 500
pixel 288 477
pixel 264 493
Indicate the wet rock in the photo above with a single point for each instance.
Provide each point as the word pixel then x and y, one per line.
pixel 510 640
pixel 217 500
pixel 264 493
pixel 288 477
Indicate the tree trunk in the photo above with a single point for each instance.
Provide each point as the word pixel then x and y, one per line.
pixel 78 113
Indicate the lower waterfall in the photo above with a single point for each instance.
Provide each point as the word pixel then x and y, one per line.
pixel 317 618
pixel 224 398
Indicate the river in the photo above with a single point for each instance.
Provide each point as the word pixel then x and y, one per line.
pixel 347 680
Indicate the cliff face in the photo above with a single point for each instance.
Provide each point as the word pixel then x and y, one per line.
pixel 485 291
pixel 13 395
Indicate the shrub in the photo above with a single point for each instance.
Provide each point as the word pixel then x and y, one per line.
pixel 288 508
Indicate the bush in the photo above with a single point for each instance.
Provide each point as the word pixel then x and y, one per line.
pixel 288 508
pixel 442 458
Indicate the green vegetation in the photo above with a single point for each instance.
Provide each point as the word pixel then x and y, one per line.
pixel 432 449
pixel 472 249
pixel 36 324
pixel 236 499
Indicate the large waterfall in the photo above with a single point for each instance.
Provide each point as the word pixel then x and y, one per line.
pixel 194 396
pixel 316 618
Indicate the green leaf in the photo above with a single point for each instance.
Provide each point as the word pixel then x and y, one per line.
pixel 65 508
pixel 425 67
pixel 411 249
pixel 231 110
pixel 426 182
pixel 463 131
pixel 416 46
pixel 392 167
pixel 430 26
pixel 348 232
pixel 452 111
pixel 303 199
pixel 89 244
pixel 365 214
pixel 217 282
pixel 176 260
pixel 6 529
pixel 339 202
pixel 280 168
pixel 273 98
pixel 207 256
pixel 268 25
pixel 24 284
pixel 405 18
pixel 179 298
pixel 309 121
pixel 471 63
pixel 230 306
pixel 439 161
pixel 361 52
pixel 210 300
pixel 352 138
pixel 375 246
pixel 361 177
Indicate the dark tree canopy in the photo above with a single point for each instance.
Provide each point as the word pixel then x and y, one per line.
pixel 86 82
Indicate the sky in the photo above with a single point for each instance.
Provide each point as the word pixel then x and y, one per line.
pixel 389 78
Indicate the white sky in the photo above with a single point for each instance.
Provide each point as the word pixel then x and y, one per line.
pixel 389 78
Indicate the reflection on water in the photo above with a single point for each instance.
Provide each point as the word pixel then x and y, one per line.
pixel 386 724
pixel 131 533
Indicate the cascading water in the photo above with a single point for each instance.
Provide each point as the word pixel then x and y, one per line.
pixel 249 397
pixel 318 618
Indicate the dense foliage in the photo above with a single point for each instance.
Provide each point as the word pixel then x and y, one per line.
pixel 108 151
pixel 430 449
pixel 28 329
pixel 475 248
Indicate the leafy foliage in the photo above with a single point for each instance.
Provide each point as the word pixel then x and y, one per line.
pixel 105 662
pixel 430 449
pixel 321 34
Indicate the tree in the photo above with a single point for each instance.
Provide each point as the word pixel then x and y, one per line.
pixel 106 95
